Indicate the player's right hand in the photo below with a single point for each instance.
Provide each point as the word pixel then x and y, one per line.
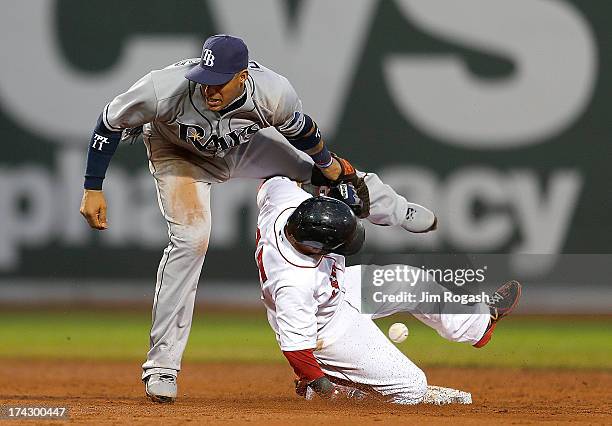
pixel 328 390
pixel 300 386
pixel 93 208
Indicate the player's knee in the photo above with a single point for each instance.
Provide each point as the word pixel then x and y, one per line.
pixel 192 238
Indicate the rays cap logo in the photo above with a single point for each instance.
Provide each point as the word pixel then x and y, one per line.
pixel 222 57
pixel 208 59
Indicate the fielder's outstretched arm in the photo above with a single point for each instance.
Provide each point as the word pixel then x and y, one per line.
pixel 131 109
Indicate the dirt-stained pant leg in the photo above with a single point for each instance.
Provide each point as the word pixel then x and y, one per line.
pixel 183 183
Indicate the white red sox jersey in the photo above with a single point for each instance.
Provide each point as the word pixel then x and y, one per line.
pixel 316 304
pixel 170 106
pixel 301 294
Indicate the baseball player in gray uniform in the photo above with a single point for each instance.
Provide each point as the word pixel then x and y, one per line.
pixel 205 121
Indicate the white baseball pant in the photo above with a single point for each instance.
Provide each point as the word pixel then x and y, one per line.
pixel 353 349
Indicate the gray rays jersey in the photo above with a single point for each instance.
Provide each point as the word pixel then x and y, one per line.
pixel 168 105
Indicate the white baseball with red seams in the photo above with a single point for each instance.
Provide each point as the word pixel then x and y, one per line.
pixel 398 332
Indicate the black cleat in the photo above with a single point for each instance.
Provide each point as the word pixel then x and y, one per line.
pixel 501 303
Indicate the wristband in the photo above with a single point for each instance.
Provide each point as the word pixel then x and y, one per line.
pixel 323 159
pixel 102 146
pixel 303 142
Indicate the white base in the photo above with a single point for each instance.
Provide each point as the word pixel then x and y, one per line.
pixel 437 395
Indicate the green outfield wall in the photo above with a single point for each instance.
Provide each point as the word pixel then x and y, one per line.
pixel 495 113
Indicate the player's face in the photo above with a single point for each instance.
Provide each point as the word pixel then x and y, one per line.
pixel 219 96
pixel 304 249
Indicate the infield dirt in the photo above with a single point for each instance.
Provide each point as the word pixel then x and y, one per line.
pixel 111 393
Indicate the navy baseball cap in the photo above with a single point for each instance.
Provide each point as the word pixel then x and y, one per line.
pixel 222 57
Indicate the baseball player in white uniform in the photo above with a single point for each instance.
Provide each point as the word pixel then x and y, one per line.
pixel 313 301
pixel 205 121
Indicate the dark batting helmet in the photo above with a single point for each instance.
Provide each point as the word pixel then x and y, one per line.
pixel 327 225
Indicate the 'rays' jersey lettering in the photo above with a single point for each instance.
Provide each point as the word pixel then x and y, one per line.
pixel 169 106
pixel 301 294
pixel 196 135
